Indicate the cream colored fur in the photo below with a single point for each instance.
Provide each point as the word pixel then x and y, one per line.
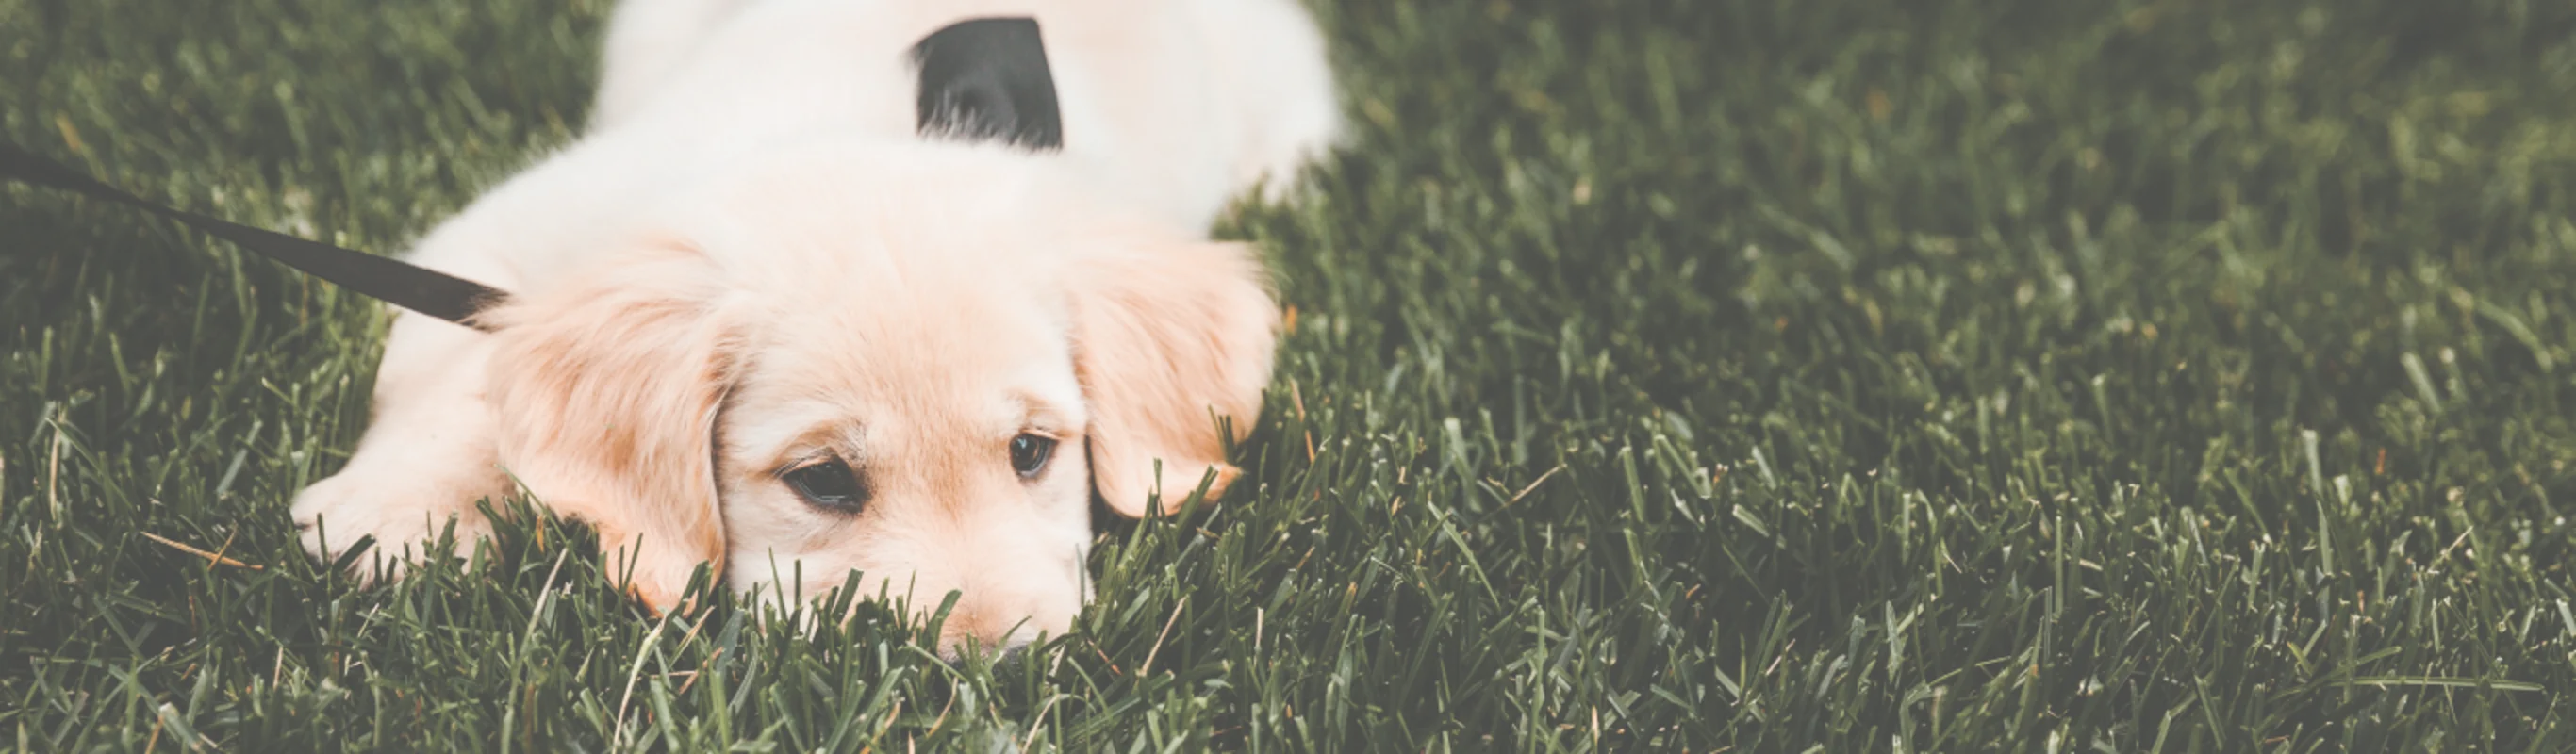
pixel 752 262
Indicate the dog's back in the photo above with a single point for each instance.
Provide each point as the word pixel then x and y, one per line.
pixel 1179 105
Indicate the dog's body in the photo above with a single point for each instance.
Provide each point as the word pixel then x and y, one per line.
pixel 754 280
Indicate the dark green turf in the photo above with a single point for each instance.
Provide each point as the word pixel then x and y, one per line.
pixel 1871 375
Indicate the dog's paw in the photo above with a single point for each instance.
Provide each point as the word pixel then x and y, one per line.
pixel 404 516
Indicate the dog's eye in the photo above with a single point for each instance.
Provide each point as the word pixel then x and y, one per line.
pixel 829 484
pixel 1029 454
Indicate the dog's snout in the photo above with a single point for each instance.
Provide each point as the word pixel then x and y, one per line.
pixel 1000 629
pixel 957 645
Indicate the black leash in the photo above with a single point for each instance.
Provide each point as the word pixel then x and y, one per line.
pixel 419 289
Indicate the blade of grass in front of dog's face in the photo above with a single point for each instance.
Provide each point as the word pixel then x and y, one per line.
pixel 1665 376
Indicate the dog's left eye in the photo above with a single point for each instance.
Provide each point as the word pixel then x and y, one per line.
pixel 1029 454
pixel 829 484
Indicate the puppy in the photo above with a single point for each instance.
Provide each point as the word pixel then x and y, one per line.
pixel 759 322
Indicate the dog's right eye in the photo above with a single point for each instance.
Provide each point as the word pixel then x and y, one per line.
pixel 829 484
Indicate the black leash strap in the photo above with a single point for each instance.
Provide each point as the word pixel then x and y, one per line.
pixel 987 79
pixel 422 290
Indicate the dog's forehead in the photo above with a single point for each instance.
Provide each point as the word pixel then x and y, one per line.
pixel 920 358
pixel 952 371
pixel 899 428
pixel 906 321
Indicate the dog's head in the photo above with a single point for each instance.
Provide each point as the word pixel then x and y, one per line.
pixel 917 363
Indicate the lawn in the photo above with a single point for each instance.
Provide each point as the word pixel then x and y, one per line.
pixel 1765 375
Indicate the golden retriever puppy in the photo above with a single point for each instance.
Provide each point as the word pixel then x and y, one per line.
pixel 760 323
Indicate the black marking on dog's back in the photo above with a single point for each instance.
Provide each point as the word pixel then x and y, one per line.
pixel 987 79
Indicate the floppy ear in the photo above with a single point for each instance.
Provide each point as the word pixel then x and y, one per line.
pixel 606 394
pixel 1168 337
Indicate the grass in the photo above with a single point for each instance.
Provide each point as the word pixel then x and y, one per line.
pixel 1845 375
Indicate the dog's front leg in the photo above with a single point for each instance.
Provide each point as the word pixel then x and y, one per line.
pixel 426 459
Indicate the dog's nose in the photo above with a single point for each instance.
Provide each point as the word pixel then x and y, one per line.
pixel 1000 624
pixel 985 630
